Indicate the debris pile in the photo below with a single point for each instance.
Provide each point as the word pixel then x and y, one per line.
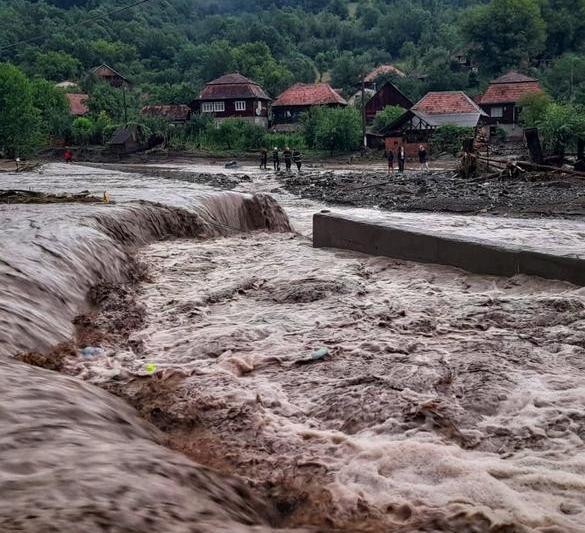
pixel 33 197
pixel 525 193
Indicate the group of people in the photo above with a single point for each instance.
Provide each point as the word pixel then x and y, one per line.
pixel 423 159
pixel 289 156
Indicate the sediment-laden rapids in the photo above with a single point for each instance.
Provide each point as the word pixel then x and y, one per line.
pixel 348 392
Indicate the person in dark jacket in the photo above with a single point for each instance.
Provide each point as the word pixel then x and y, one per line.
pixel 276 159
pixel 390 159
pixel 401 159
pixel 264 159
pixel 287 158
pixel 423 158
pixel 298 159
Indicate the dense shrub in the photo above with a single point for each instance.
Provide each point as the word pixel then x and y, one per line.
pixel 450 139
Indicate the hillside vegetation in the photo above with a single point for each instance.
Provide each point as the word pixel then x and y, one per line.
pixel 171 47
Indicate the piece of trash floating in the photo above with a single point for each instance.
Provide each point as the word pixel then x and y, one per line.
pixel 317 355
pixel 150 368
pixel 91 351
pixel 320 353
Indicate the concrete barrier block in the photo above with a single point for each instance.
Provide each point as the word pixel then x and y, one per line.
pixel 332 230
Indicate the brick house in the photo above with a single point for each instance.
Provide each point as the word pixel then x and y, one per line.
pixel 296 100
pixel 500 101
pixel 434 110
pixel 234 96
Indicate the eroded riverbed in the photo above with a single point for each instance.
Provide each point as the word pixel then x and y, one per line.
pixel 444 400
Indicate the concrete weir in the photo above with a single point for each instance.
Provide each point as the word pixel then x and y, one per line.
pixel 332 230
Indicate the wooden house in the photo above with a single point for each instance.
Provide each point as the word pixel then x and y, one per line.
pixel 434 110
pixel 372 80
pixel 175 114
pixel 111 76
pixel 296 100
pixel 500 101
pixel 126 140
pixel 234 96
pixel 387 95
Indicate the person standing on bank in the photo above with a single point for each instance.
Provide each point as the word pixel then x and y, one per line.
pixel 298 159
pixel 401 159
pixel 390 159
pixel 423 158
pixel 264 159
pixel 287 158
pixel 276 159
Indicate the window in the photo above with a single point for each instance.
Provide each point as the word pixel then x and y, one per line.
pixel 241 105
pixel 218 106
pixel 497 112
pixel 207 107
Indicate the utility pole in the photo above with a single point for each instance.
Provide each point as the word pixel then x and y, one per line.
pixel 364 138
pixel 125 106
pixel 571 94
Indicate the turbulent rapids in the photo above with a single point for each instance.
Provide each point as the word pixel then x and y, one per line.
pixel 441 401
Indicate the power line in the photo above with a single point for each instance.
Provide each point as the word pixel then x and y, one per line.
pixel 85 21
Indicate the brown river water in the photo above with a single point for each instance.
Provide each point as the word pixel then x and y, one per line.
pixel 445 401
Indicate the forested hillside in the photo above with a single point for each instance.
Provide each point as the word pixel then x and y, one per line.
pixel 170 48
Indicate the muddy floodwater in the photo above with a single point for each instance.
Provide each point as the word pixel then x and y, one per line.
pixel 321 390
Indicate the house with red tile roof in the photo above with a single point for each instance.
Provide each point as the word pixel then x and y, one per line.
pixel 292 103
pixel 77 104
pixel 371 80
pixel 434 110
pixel 500 101
pixel 234 96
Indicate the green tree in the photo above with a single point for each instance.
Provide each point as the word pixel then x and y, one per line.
pixel 450 139
pixel 565 20
pixel 386 117
pixel 505 33
pixel 338 129
pixel 56 66
pixel 565 79
pixel 110 100
pixel 534 107
pixel 53 109
pixel 561 125
pixel 236 134
pixel 83 130
pixel 20 121
pixel 348 69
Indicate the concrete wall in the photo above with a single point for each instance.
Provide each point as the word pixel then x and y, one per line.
pixel 337 231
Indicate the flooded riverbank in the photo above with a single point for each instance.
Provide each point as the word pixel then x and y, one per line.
pixel 348 391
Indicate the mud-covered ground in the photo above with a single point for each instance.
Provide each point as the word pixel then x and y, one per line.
pixel 531 195
pixel 444 191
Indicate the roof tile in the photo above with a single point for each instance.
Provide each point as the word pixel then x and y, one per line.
pixel 508 93
pixel 447 102
pixel 77 103
pixel 302 94
pixel 172 112
pixel 383 69
pixel 232 86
